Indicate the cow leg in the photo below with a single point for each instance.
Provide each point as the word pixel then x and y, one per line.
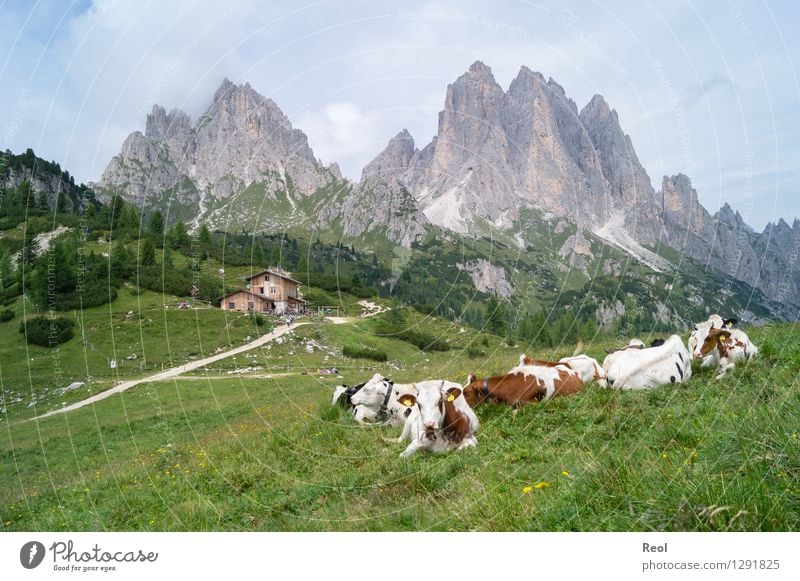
pixel 468 442
pixel 725 369
pixel 412 447
pixel 708 361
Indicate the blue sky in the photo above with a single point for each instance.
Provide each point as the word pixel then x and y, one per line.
pixel 710 89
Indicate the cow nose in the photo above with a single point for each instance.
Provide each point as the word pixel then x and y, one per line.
pixel 430 425
pixel 610 381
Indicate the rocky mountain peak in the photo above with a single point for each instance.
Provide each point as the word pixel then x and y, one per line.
pixel 225 88
pixel 532 76
pixel 173 127
pixel 597 108
pixel 242 137
pixel 727 215
pixel 393 160
pixel 480 70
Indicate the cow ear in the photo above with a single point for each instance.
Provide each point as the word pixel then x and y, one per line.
pixel 470 378
pixel 452 393
pixel 725 334
pixel 729 322
pixel 407 400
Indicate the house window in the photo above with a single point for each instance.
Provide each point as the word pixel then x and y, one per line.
pixel 232 306
pixel 273 290
pixel 262 290
pixel 250 306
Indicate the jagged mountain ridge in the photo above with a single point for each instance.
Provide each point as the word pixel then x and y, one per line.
pixel 495 153
pixel 240 138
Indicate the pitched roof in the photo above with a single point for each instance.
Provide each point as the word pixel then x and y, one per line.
pixel 276 273
pixel 241 290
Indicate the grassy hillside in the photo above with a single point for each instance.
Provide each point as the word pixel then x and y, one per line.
pixel 143 332
pixel 266 451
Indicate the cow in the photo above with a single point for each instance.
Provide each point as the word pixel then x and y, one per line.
pixel 524 384
pixel 700 332
pixel 587 367
pixel 646 368
pixel 372 402
pixel 343 394
pixel 722 348
pixel 440 418
pixel 634 345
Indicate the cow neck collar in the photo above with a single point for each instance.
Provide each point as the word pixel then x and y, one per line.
pixel 382 412
pixel 486 387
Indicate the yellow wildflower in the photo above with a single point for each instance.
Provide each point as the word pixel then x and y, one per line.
pixel 540 485
pixel 527 489
pixel 664 455
pixel 564 473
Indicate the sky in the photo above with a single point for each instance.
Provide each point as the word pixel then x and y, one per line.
pixel 706 88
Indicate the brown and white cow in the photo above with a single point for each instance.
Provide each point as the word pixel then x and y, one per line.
pixel 723 348
pixel 698 335
pixel 587 367
pixel 524 384
pixel 440 418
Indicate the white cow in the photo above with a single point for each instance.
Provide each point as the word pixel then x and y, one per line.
pixel 440 418
pixel 633 345
pixel 648 368
pixel 719 345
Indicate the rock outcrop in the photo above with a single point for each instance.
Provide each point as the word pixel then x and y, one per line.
pixel 487 277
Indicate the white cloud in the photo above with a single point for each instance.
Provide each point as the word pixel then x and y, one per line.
pixel 344 133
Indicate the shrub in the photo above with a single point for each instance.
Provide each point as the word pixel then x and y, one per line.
pixel 363 352
pixel 6 315
pixel 474 352
pixel 46 331
pixel 422 340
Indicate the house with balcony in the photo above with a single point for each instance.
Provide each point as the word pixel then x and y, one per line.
pixel 269 291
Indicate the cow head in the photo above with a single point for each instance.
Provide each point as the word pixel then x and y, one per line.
pixel 373 393
pixel 701 331
pixel 473 390
pixel 431 402
pixel 712 340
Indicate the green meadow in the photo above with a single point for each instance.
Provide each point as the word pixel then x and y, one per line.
pixel 253 444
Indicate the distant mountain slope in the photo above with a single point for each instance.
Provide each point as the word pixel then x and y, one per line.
pixel 45 178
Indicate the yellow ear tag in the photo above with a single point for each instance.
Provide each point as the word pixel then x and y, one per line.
pixel 450 397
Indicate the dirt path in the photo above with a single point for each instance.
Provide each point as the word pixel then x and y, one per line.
pixel 172 372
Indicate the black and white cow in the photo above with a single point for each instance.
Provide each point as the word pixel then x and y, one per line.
pixel 648 368
pixel 374 401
